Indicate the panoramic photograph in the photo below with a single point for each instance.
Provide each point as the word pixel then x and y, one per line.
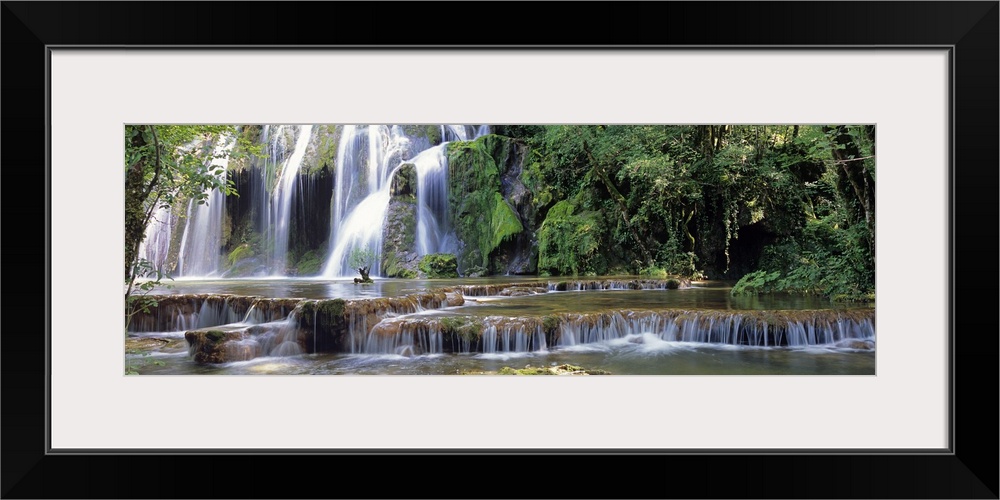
pixel 492 250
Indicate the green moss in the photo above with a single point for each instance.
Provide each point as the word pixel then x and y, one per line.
pixel 673 284
pixel 239 253
pixel 483 218
pixel 439 265
pixel 504 222
pixel 309 264
pixel 550 323
pixel 214 335
pixel 331 308
pixel 327 140
pixel 394 269
pixel 469 329
pixel 404 181
pixel 569 241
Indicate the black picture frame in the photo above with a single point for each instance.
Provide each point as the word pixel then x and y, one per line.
pixel 967 470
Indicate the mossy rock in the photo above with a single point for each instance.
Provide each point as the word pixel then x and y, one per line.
pixel 551 370
pixel 483 218
pixel 439 265
pixel 550 323
pixel 215 335
pixel 399 253
pixel 239 253
pixel 404 181
pixel 469 329
pixel 309 264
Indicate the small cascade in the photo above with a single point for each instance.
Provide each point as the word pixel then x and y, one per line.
pixel 500 335
pixel 749 328
pixel 494 334
pixel 187 312
pixel 282 338
pixel 365 315
pixel 237 342
pixel 201 243
pixel 283 194
pixel 490 335
pixel 619 284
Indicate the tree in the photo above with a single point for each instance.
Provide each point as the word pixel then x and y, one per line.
pixel 362 258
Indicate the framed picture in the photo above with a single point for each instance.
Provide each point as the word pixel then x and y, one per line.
pixel 923 75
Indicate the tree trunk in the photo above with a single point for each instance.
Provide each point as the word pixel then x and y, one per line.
pixel 135 213
pixel 364 271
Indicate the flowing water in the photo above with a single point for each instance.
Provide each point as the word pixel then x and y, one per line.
pixel 701 330
pixel 283 199
pixel 367 158
pixel 201 243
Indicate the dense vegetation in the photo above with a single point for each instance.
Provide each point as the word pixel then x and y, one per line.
pixel 782 208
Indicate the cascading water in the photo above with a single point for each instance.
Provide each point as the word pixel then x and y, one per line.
pixel 156 245
pixel 283 194
pixel 367 157
pixel 273 139
pixel 434 231
pixel 202 239
pixel 363 172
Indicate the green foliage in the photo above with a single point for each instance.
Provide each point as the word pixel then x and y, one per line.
pixel 653 272
pixel 327 138
pixel 310 263
pixel 825 259
pixel 439 265
pixel 569 240
pixel 239 253
pixel 756 282
pixel 361 257
pixel 164 164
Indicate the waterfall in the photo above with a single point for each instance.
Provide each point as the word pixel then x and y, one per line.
pixel 367 158
pixel 283 194
pixel 273 139
pixel 434 231
pixel 156 244
pixel 201 243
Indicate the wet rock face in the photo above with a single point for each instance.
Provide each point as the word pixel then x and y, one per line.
pixel 399 236
pixel 518 255
pixel 404 183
